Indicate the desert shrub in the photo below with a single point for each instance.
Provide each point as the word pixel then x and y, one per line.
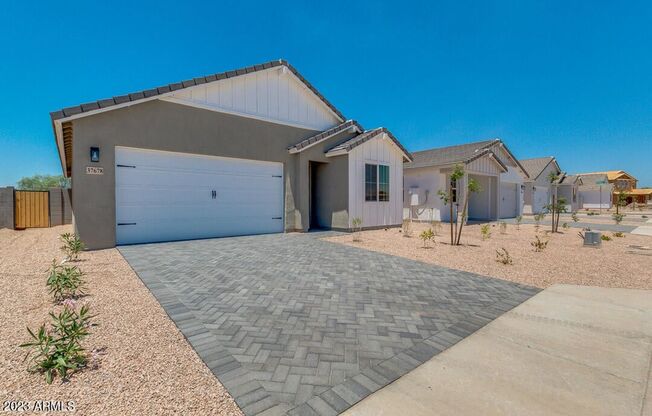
pixel 427 236
pixel 643 216
pixel 406 228
pixel 356 225
pixel 519 219
pixel 65 281
pixel 591 213
pixel 503 227
pixel 72 245
pixel 605 237
pixel 485 231
pixel 618 218
pixel 574 216
pixel 436 227
pixel 502 256
pixel 565 226
pixel 539 245
pixel 58 350
pixel 619 234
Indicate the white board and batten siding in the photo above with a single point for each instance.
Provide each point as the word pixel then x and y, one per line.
pixel 166 196
pixel 380 151
pixel 275 95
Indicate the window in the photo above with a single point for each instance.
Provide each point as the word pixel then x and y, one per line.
pixel 370 182
pixel 383 183
pixel 376 182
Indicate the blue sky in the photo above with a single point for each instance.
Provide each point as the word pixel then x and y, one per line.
pixel 563 78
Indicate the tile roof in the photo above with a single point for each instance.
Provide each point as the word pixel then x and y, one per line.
pixel 612 175
pixel 353 142
pixel 537 165
pixel 449 155
pixel 565 179
pixel 139 95
pixel 324 135
pixel 592 179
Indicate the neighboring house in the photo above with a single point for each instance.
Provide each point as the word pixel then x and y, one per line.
pixel 538 189
pixel 489 162
pixel 595 191
pixel 623 182
pixel 568 187
pixel 249 151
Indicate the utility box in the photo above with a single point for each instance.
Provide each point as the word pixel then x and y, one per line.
pixel 414 196
pixel 592 239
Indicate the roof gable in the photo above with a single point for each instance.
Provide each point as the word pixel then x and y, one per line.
pixel 324 135
pixel 536 166
pixel 356 141
pixel 172 89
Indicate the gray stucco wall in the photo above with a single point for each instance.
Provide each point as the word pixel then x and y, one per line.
pixel 60 209
pixel 7 207
pixel 172 127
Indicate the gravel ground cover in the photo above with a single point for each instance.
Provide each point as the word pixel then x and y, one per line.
pixel 564 260
pixel 143 363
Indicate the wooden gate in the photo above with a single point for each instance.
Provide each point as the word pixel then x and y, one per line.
pixel 32 209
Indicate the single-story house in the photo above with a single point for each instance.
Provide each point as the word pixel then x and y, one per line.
pixel 249 151
pixel 538 189
pixel 568 187
pixel 595 191
pixel 489 162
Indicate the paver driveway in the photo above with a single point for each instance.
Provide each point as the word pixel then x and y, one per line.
pixel 291 323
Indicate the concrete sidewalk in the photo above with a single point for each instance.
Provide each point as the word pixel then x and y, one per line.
pixel 570 350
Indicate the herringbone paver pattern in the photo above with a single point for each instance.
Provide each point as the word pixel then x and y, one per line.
pixel 293 324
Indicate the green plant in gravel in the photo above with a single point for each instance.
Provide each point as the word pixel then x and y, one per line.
pixel 592 213
pixel 619 234
pixel 539 245
pixel 605 237
pixel 519 219
pixel 427 236
pixel 502 256
pixel 406 228
pixel 574 216
pixel 485 231
pixel 356 225
pixel 72 245
pixel 58 350
pixel 65 281
pixel 503 227
pixel 565 226
pixel 618 218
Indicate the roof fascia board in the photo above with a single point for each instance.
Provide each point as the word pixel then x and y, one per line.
pixel 353 127
pixel 58 129
pixel 189 103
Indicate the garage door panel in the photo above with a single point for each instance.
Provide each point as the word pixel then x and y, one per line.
pixel 163 196
pixel 508 200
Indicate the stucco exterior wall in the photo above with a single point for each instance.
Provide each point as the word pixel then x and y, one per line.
pixel 7 207
pixel 177 128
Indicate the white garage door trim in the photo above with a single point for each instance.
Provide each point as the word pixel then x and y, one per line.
pixel 167 196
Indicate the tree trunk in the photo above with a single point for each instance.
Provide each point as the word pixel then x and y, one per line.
pixel 459 232
pixel 450 201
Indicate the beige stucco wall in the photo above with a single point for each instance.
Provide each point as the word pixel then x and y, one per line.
pixel 172 127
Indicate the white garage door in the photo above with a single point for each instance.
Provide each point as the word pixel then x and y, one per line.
pixel 508 200
pixel 540 199
pixel 164 196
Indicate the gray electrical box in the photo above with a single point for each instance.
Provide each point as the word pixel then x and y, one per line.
pixel 592 239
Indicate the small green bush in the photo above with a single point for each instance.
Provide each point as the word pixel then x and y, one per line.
pixel 59 350
pixel 619 234
pixel 502 256
pixel 574 217
pixel 427 236
pixel 618 218
pixel 356 225
pixel 605 237
pixel 503 227
pixel 485 231
pixel 519 219
pixel 539 245
pixel 72 245
pixel 65 281
pixel 565 226
pixel 592 213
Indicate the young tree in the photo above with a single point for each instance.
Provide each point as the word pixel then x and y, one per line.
pixel 621 201
pixel 558 205
pixel 449 197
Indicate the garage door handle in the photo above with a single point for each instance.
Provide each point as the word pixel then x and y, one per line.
pixel 126 166
pixel 126 223
pixel 214 194
pixel 277 218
